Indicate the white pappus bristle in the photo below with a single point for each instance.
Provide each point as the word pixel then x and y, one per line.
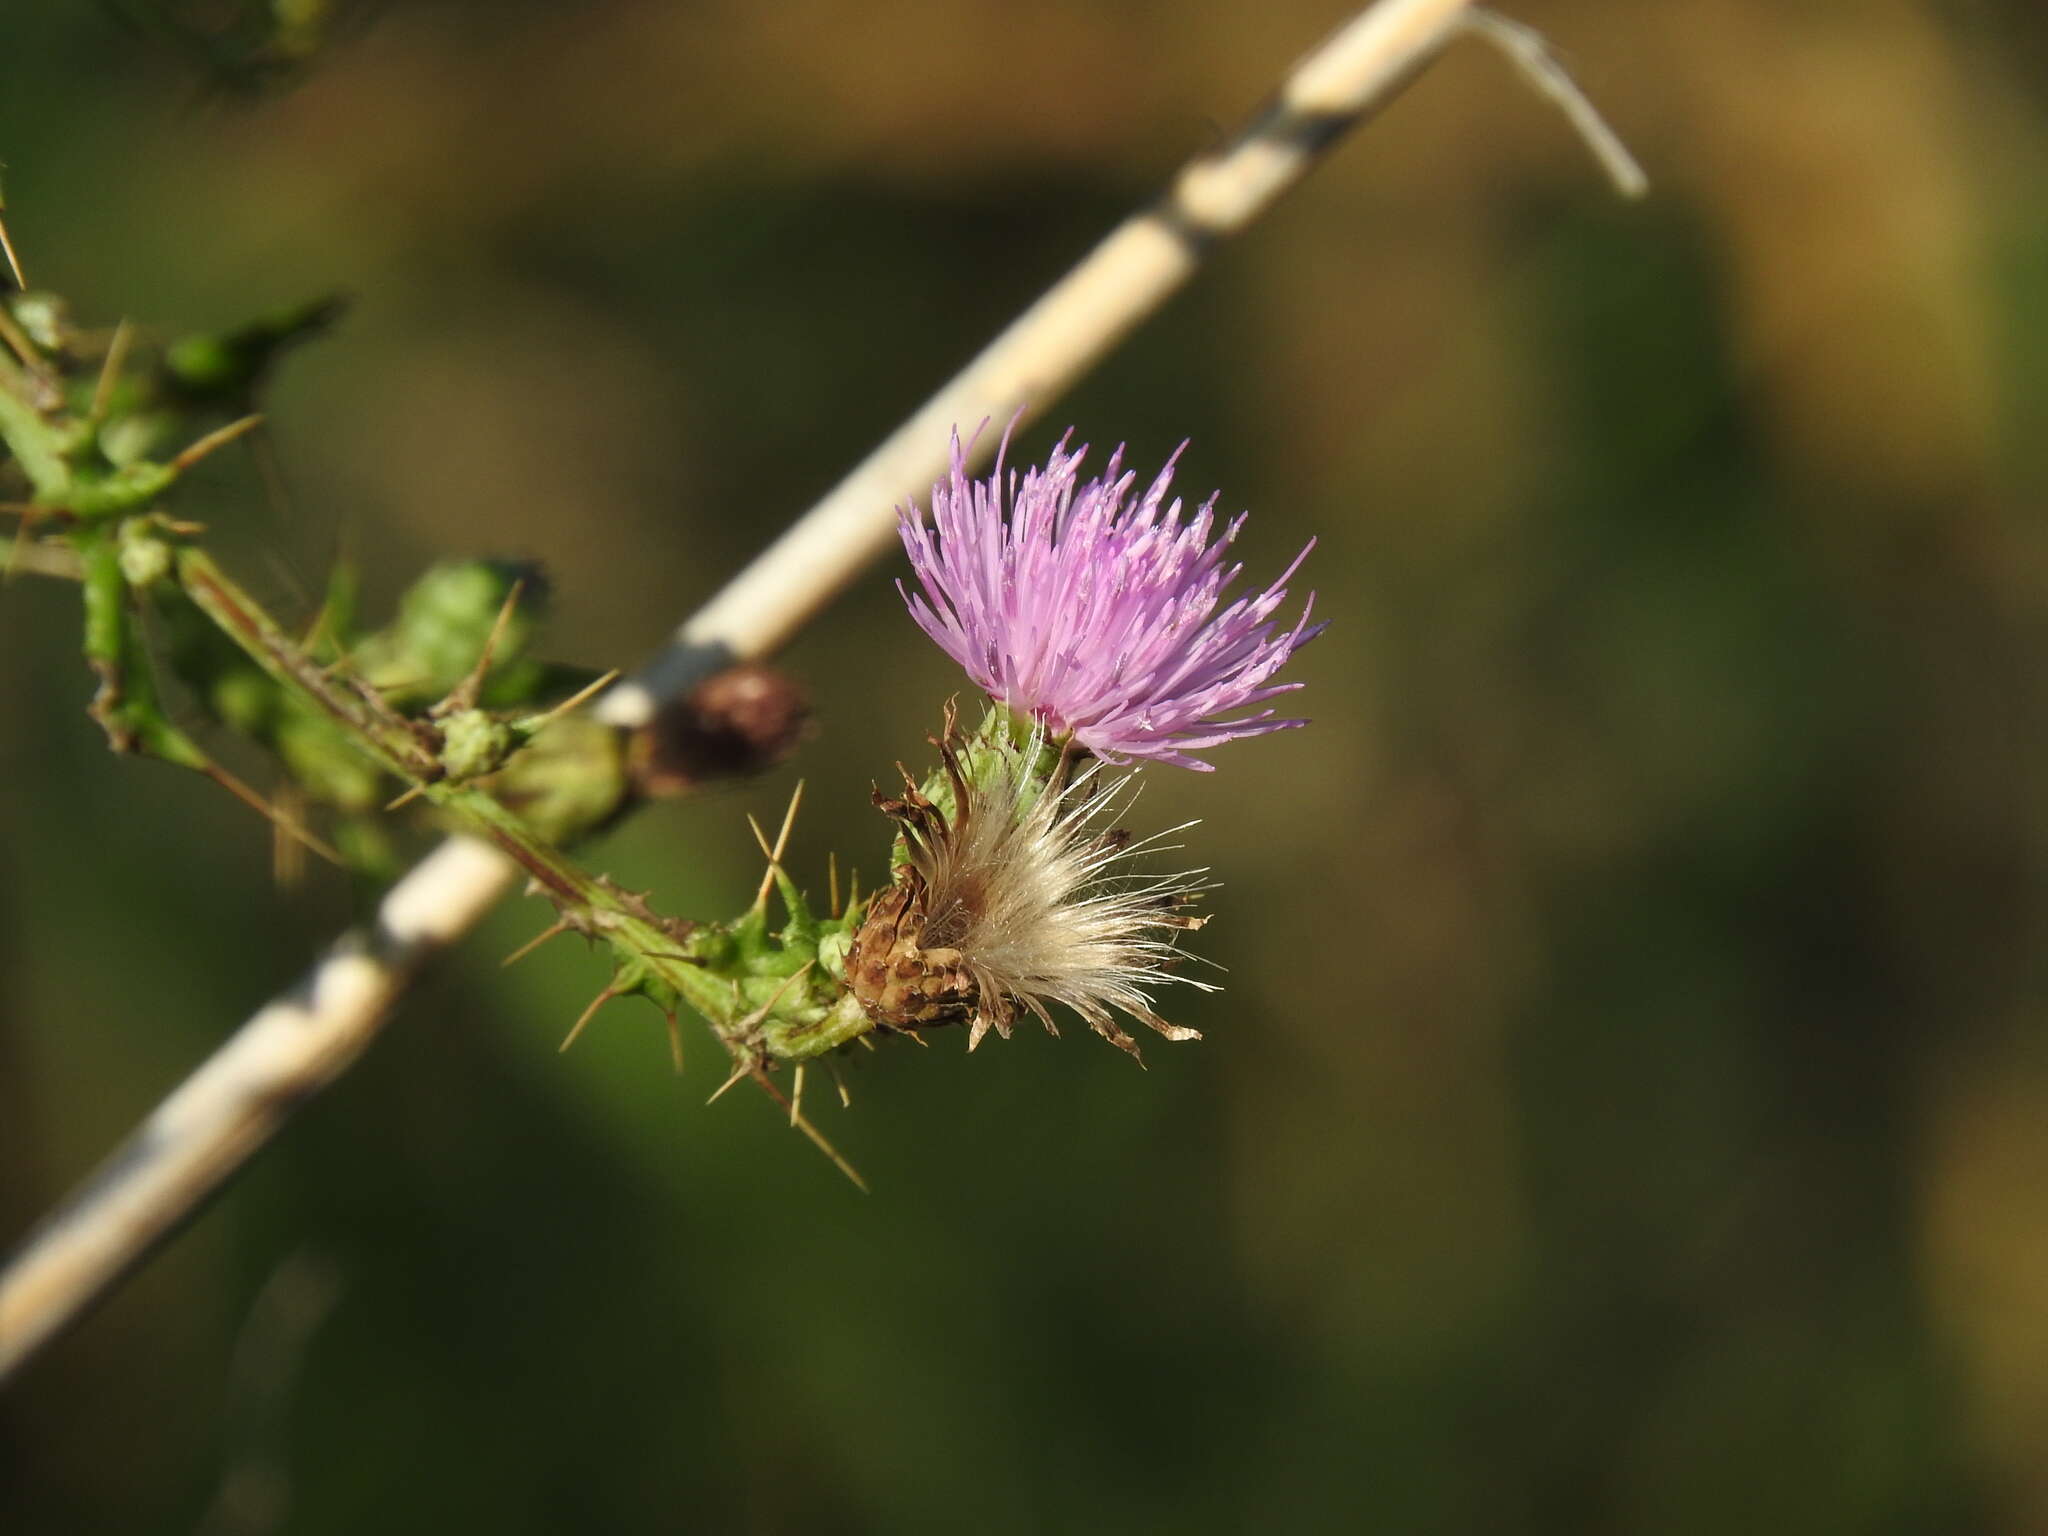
pixel 1035 893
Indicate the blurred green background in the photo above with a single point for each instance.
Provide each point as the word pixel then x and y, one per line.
pixel 1629 1106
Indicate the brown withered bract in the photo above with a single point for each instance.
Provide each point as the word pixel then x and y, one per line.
pixel 898 979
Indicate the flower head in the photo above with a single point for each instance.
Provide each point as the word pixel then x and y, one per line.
pixel 1096 615
pixel 1013 894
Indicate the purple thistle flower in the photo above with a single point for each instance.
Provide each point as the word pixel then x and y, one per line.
pixel 1095 615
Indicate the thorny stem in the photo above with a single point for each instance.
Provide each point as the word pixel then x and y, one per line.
pixel 654 953
pixel 393 741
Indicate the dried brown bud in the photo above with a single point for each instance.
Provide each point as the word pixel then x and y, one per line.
pixel 735 723
pixel 899 982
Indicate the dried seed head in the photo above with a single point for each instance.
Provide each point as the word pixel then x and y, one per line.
pixel 1014 897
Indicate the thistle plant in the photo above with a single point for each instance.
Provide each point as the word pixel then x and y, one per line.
pixel 1091 621
pixel 1093 617
pixel 1096 623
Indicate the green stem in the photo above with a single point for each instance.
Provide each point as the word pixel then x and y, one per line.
pixel 402 747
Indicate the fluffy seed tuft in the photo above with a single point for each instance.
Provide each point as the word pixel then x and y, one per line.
pixel 1018 896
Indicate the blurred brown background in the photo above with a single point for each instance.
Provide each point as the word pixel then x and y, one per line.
pixel 1629 1106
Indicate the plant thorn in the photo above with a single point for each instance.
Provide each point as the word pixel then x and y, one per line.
pixel 748 1068
pixel 270 813
pixel 13 257
pixel 817 1136
pixel 110 371
pixel 288 854
pixel 585 1017
pixel 398 802
pixel 464 694
pixel 760 1014
pixel 796 799
pixel 30 515
pixel 19 344
pixel 541 722
pixel 553 930
pixel 220 437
